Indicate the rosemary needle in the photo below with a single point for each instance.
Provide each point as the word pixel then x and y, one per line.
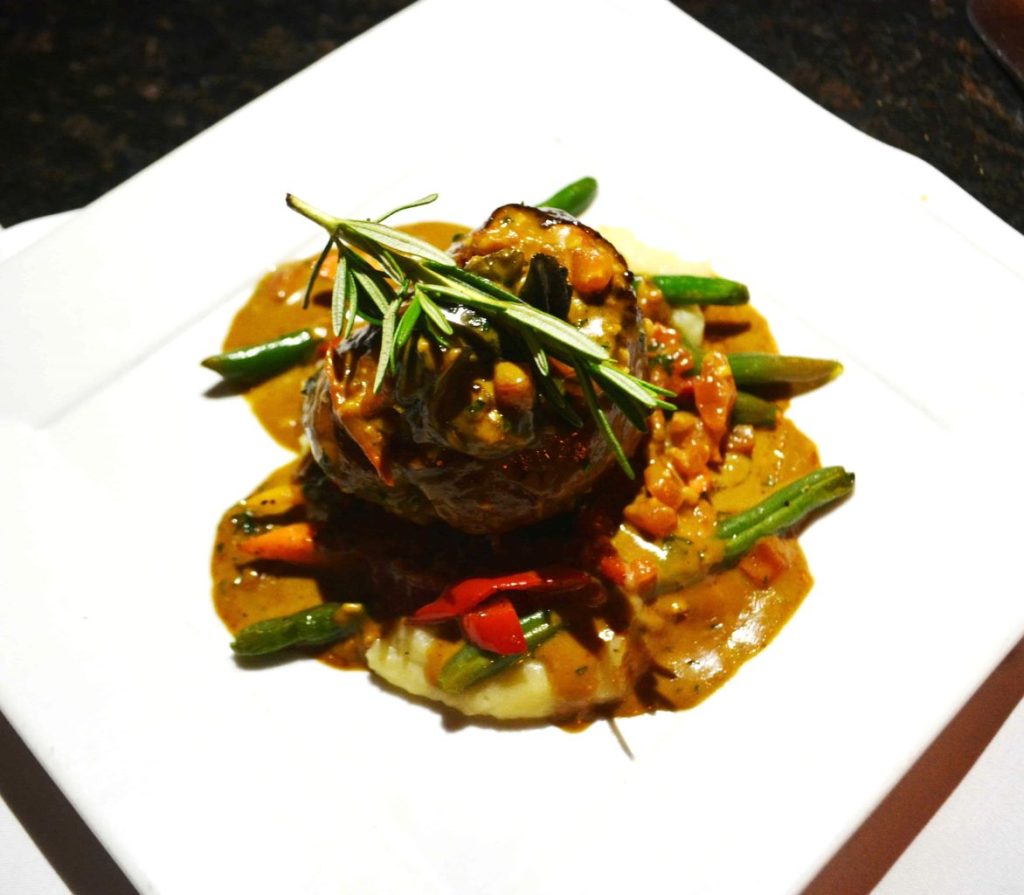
pixel 431 278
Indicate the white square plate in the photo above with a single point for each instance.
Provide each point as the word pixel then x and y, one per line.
pixel 201 777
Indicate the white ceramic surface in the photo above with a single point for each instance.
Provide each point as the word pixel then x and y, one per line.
pixel 199 776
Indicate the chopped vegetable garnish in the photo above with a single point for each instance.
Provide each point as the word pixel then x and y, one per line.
pixel 513 397
pixel 495 627
pixel 256 362
pixel 466 595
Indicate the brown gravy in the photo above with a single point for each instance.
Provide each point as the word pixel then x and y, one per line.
pixel 686 643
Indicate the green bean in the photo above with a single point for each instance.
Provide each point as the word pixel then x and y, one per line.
pixel 680 561
pixel 470 664
pixel 783 509
pixel 574 198
pixel 254 363
pixel 757 368
pixel 752 369
pixel 777 513
pixel 754 411
pixel 683 289
pixel 316 626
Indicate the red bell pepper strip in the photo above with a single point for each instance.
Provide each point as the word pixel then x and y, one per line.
pixel 495 627
pixel 467 595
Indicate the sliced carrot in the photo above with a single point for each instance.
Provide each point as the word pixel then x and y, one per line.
pixel 295 544
pixel 664 483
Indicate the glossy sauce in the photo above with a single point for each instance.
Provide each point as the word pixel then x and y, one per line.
pixel 683 643
pixel 275 308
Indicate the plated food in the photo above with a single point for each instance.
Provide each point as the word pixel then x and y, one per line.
pixel 534 479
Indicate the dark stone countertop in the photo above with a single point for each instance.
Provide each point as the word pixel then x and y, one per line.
pixel 96 90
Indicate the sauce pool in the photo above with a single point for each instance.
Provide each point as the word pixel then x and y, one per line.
pixel 683 644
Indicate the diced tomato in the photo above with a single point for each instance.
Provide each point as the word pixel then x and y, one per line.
pixel 643 575
pixel 613 567
pixel 766 561
pixel 663 482
pixel 671 361
pixel 714 391
pixel 651 516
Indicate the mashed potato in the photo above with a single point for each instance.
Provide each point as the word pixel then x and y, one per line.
pixel 524 692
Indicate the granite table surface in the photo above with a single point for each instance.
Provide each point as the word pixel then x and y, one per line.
pixel 95 90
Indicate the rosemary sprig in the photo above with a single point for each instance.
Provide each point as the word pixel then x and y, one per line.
pixel 429 278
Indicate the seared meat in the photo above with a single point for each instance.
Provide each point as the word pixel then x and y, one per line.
pixel 463 432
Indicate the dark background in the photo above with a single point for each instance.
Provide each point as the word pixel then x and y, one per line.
pixel 95 91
